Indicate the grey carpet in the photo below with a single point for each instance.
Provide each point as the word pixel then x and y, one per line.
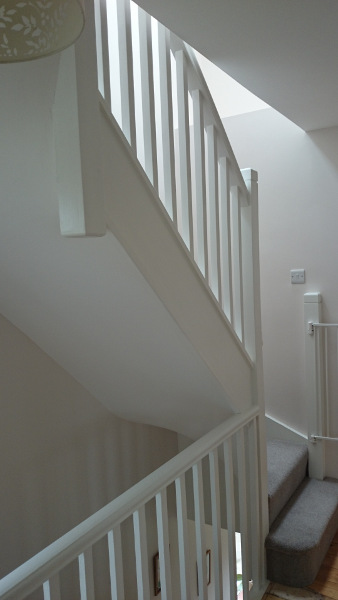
pixel 300 536
pixel 287 464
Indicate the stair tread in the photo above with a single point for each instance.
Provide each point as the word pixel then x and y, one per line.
pixel 301 535
pixel 287 465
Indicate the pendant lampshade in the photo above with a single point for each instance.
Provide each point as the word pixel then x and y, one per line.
pixel 31 29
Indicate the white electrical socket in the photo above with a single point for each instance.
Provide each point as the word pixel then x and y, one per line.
pixel 297 275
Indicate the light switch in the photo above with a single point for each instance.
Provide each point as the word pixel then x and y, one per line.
pixel 297 275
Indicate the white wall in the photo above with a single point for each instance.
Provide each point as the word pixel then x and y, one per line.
pixel 298 182
pixel 63 455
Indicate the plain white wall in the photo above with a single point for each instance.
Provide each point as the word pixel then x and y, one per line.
pixel 298 210
pixel 63 455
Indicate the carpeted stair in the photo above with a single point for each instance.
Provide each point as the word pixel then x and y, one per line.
pixel 303 516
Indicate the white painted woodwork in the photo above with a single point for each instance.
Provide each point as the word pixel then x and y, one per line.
pixel 141 554
pixel 147 153
pixel 126 70
pixel 51 588
pixel 86 575
pixel 199 528
pixel 314 386
pixel 184 210
pixel 225 238
pixel 241 440
pixel 103 12
pixel 183 542
pixel 216 525
pixel 213 213
pixel 231 518
pixel 163 544
pixel 164 120
pixel 116 563
pixel 236 240
pixel 199 185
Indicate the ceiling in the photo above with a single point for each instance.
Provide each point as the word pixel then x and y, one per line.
pixel 284 51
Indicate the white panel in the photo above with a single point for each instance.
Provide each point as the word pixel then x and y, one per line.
pixel 141 554
pixel 163 544
pixel 183 543
pixel 51 588
pixel 86 575
pixel 115 563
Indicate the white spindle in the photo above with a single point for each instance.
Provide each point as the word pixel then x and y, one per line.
pixel 199 170
pixel 247 279
pixel 86 575
pixel 230 512
pixel 105 79
pixel 184 210
pixel 237 261
pixel 147 97
pixel 212 213
pixel 116 563
pixel 141 554
pixel 165 144
pixel 163 544
pixel 243 510
pixel 126 78
pixel 200 529
pixel 99 46
pixel 252 457
pixel 225 237
pixel 216 524
pixel 51 588
pixel 183 540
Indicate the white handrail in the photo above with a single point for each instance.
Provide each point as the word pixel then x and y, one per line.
pixel 37 570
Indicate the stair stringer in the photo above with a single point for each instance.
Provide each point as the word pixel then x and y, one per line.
pixel 139 221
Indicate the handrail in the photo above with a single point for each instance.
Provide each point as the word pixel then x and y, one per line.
pixel 33 573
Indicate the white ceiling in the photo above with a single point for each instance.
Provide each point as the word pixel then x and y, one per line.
pixel 284 51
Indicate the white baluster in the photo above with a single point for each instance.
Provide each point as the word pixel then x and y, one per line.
pixel 86 575
pixel 231 518
pixel 141 554
pixel 225 238
pixel 256 548
pixel 216 523
pixel 243 510
pixel 183 540
pixel 116 563
pixel 103 54
pixel 165 124
pixel 126 70
pixel 200 529
pixel 163 544
pixel 200 208
pixel 184 211
pixel 51 588
pixel 212 214
pixel 237 261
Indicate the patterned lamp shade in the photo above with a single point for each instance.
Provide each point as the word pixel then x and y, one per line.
pixel 34 28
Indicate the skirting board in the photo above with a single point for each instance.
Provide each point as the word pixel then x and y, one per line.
pixel 276 430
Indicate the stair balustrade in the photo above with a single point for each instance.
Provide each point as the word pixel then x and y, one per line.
pixel 151 84
pixel 222 470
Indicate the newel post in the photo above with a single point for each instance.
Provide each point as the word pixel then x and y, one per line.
pixel 313 385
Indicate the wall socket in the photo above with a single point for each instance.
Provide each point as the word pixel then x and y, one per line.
pixel 297 275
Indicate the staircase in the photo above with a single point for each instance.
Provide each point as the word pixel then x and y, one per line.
pixel 303 516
